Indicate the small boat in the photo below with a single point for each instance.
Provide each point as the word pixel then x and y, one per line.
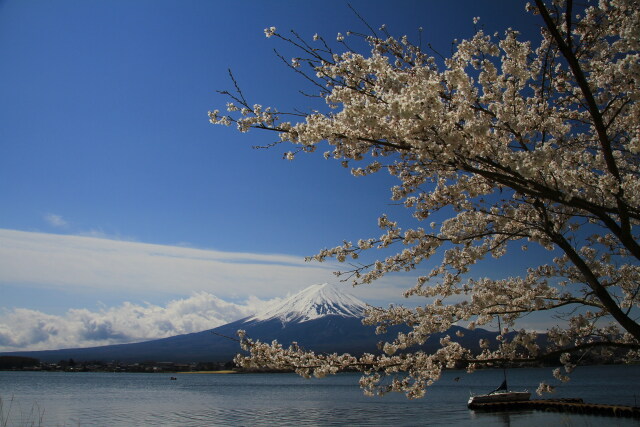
pixel 501 394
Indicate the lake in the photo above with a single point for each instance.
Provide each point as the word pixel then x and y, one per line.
pixel 130 399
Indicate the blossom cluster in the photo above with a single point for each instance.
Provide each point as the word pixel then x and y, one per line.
pixel 526 145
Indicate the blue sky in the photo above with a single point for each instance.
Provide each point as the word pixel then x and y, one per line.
pixel 119 198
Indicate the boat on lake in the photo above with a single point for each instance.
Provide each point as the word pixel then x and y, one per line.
pixel 501 394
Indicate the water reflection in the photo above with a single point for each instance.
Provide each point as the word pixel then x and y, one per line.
pixel 288 400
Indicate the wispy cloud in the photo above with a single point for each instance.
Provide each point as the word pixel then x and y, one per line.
pixel 24 329
pixel 81 262
pixel 200 283
pixel 55 220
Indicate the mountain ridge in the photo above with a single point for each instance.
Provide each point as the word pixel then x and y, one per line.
pixel 321 318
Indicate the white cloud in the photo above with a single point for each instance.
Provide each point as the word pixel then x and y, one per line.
pixel 81 262
pixel 24 329
pixel 207 279
pixel 55 220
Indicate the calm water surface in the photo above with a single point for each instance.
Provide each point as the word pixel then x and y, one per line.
pixel 123 399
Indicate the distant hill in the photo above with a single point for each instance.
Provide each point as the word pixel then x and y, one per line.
pixel 320 318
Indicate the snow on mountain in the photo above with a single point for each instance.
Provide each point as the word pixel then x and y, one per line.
pixel 314 302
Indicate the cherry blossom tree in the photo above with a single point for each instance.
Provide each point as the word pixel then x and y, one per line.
pixel 524 145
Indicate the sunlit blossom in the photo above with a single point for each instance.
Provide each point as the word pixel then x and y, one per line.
pixel 521 146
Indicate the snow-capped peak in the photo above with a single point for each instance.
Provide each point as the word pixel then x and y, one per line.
pixel 312 303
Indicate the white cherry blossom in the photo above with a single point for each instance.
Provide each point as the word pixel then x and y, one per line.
pixel 526 143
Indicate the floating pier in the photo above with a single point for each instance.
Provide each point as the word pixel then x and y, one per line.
pixel 576 406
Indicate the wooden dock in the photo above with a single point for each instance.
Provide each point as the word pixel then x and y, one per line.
pixel 576 406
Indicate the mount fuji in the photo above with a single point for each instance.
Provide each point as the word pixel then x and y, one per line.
pixel 321 318
pixel 313 303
